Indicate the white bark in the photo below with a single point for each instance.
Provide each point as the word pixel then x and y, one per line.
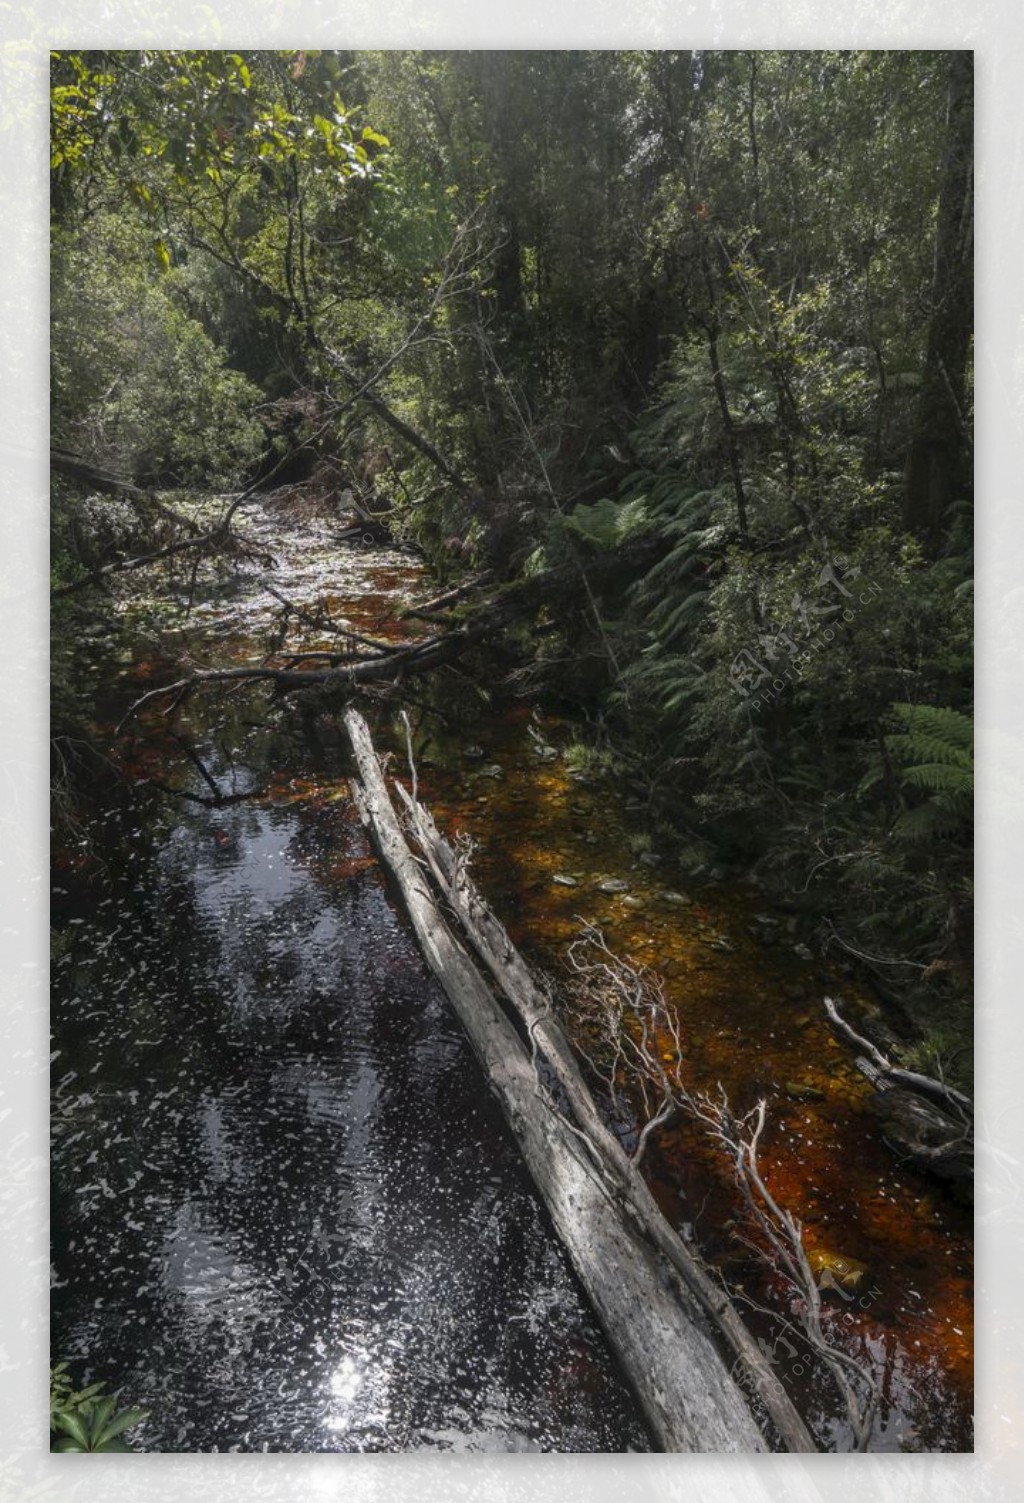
pixel 511 973
pixel 653 1320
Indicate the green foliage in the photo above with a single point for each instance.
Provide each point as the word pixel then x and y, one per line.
pixel 695 286
pixel 940 1054
pixel 935 756
pixel 137 385
pixel 587 762
pixel 201 117
pixel 85 1419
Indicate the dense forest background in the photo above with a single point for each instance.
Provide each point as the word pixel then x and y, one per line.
pixel 684 339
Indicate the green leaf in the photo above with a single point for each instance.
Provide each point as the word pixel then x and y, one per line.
pixel 72 1425
pixel 97 1412
pixel 119 1423
pixel 86 1393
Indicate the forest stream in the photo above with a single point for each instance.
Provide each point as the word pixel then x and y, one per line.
pixel 287 1213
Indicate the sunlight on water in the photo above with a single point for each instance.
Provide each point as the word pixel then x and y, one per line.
pixel 287 1214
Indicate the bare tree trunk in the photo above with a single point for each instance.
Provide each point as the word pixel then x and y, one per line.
pixel 711 329
pixel 510 972
pixel 654 1316
pixel 938 466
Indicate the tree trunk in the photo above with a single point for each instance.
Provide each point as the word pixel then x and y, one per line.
pixel 651 1318
pixel 711 330
pixel 531 1004
pixel 938 465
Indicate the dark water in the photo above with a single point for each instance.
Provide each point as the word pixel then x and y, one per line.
pixel 287 1215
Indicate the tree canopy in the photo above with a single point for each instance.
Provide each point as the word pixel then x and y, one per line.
pixel 560 303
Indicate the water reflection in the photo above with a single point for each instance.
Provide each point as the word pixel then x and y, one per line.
pixel 287 1214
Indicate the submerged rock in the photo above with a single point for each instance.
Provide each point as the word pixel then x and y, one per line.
pixel 803 1091
pixel 835 1269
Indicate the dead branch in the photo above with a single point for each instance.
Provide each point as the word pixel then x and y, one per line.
pixel 639 1033
pixel 926 1122
pixel 924 1085
pixel 322 621
pixel 212 801
pixel 778 1230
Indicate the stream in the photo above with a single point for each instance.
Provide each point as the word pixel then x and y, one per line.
pixel 287 1214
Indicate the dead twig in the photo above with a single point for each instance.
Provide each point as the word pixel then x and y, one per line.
pixel 639 1036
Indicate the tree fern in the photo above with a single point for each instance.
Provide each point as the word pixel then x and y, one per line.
pixel 607 524
pixel 935 754
pixel 934 724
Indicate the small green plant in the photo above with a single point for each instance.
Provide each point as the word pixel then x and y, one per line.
pixel 591 762
pixel 942 1053
pixel 84 1419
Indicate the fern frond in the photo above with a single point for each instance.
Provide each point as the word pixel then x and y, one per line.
pixel 929 821
pixel 941 777
pixel 670 623
pixel 606 524
pixel 938 722
pixel 922 747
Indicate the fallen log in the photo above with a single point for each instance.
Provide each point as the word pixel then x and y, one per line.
pixel 439 605
pixel 515 603
pixel 510 972
pixel 346 670
pixel 653 1320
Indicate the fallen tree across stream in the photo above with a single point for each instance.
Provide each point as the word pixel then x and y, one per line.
pixel 657 1304
pixel 359 661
